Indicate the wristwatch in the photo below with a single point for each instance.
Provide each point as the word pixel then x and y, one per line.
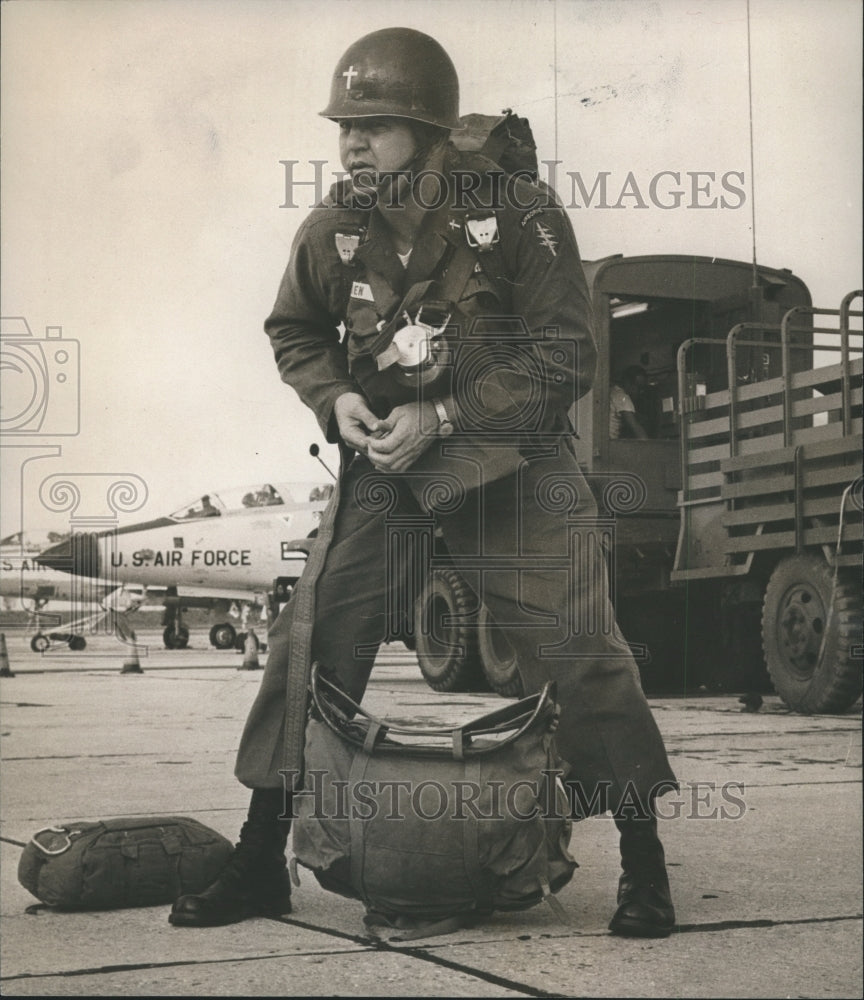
pixel 445 425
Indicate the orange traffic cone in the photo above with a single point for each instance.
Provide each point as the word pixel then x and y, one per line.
pixel 131 664
pixel 250 652
pixel 4 658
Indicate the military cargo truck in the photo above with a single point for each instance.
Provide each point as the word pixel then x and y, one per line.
pixel 733 529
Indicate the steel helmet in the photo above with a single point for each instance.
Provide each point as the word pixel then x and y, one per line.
pixel 396 72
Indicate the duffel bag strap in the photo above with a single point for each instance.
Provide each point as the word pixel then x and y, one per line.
pixel 513 720
pixel 58 842
pixel 374 731
pixel 555 904
pixel 414 931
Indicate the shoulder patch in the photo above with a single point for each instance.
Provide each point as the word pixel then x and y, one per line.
pixel 528 216
pixel 546 238
pixel 346 245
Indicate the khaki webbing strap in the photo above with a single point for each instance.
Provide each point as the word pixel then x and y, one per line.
pixel 452 284
pixel 357 827
pixel 300 647
pixel 294 873
pixel 458 273
pixel 372 735
pixel 414 298
pixel 554 904
pixel 447 289
pixel 480 884
pixel 362 316
pixel 434 928
pixel 381 290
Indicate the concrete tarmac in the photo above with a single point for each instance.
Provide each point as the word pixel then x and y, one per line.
pixel 763 845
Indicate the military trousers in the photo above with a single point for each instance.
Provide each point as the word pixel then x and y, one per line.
pixel 533 548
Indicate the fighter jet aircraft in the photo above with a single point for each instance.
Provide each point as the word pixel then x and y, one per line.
pixel 242 546
pixel 43 592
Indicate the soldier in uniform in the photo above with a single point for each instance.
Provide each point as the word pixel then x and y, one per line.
pixel 435 317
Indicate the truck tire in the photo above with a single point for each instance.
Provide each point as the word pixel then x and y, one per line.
pixel 811 627
pixel 656 624
pixel 222 636
pixel 446 648
pixel 497 657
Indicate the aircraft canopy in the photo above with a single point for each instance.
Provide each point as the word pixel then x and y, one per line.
pixel 240 498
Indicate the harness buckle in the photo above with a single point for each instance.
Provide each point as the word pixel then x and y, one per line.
pixel 481 232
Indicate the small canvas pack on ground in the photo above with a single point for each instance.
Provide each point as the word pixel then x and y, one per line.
pixel 139 861
pixel 433 829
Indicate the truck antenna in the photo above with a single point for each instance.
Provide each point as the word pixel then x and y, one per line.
pixel 555 72
pixel 752 161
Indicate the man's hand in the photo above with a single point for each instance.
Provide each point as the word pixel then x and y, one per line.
pixel 632 425
pixel 356 421
pixel 403 436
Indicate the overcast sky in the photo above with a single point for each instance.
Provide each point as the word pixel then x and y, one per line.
pixel 142 188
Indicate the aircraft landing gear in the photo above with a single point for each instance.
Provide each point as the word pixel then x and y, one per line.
pixel 176 636
pixel 223 635
pixel 40 642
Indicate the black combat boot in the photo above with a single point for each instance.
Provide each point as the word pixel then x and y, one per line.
pixel 644 899
pixel 254 882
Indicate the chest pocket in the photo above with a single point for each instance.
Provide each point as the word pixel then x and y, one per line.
pixel 480 295
pixel 370 300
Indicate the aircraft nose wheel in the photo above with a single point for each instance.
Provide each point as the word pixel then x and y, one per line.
pixel 39 643
pixel 176 638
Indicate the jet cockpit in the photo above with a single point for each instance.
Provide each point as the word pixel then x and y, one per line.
pixel 239 498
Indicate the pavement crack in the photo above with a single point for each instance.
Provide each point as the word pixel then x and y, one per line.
pixel 721 734
pixel 731 925
pixel 92 756
pixel 425 954
pixel 363 943
pixel 96 970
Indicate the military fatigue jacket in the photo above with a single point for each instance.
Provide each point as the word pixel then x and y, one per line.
pixel 345 283
pixel 524 267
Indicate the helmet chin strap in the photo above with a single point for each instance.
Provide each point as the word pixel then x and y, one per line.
pixel 407 172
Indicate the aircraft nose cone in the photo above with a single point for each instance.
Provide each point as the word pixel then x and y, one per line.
pixel 78 554
pixel 58 556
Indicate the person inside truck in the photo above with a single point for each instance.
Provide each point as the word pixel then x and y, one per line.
pixel 624 422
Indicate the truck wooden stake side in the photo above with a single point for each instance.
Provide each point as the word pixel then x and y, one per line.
pixel 740 558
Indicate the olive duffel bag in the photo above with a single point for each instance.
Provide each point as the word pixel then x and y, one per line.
pixel 138 861
pixel 433 829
